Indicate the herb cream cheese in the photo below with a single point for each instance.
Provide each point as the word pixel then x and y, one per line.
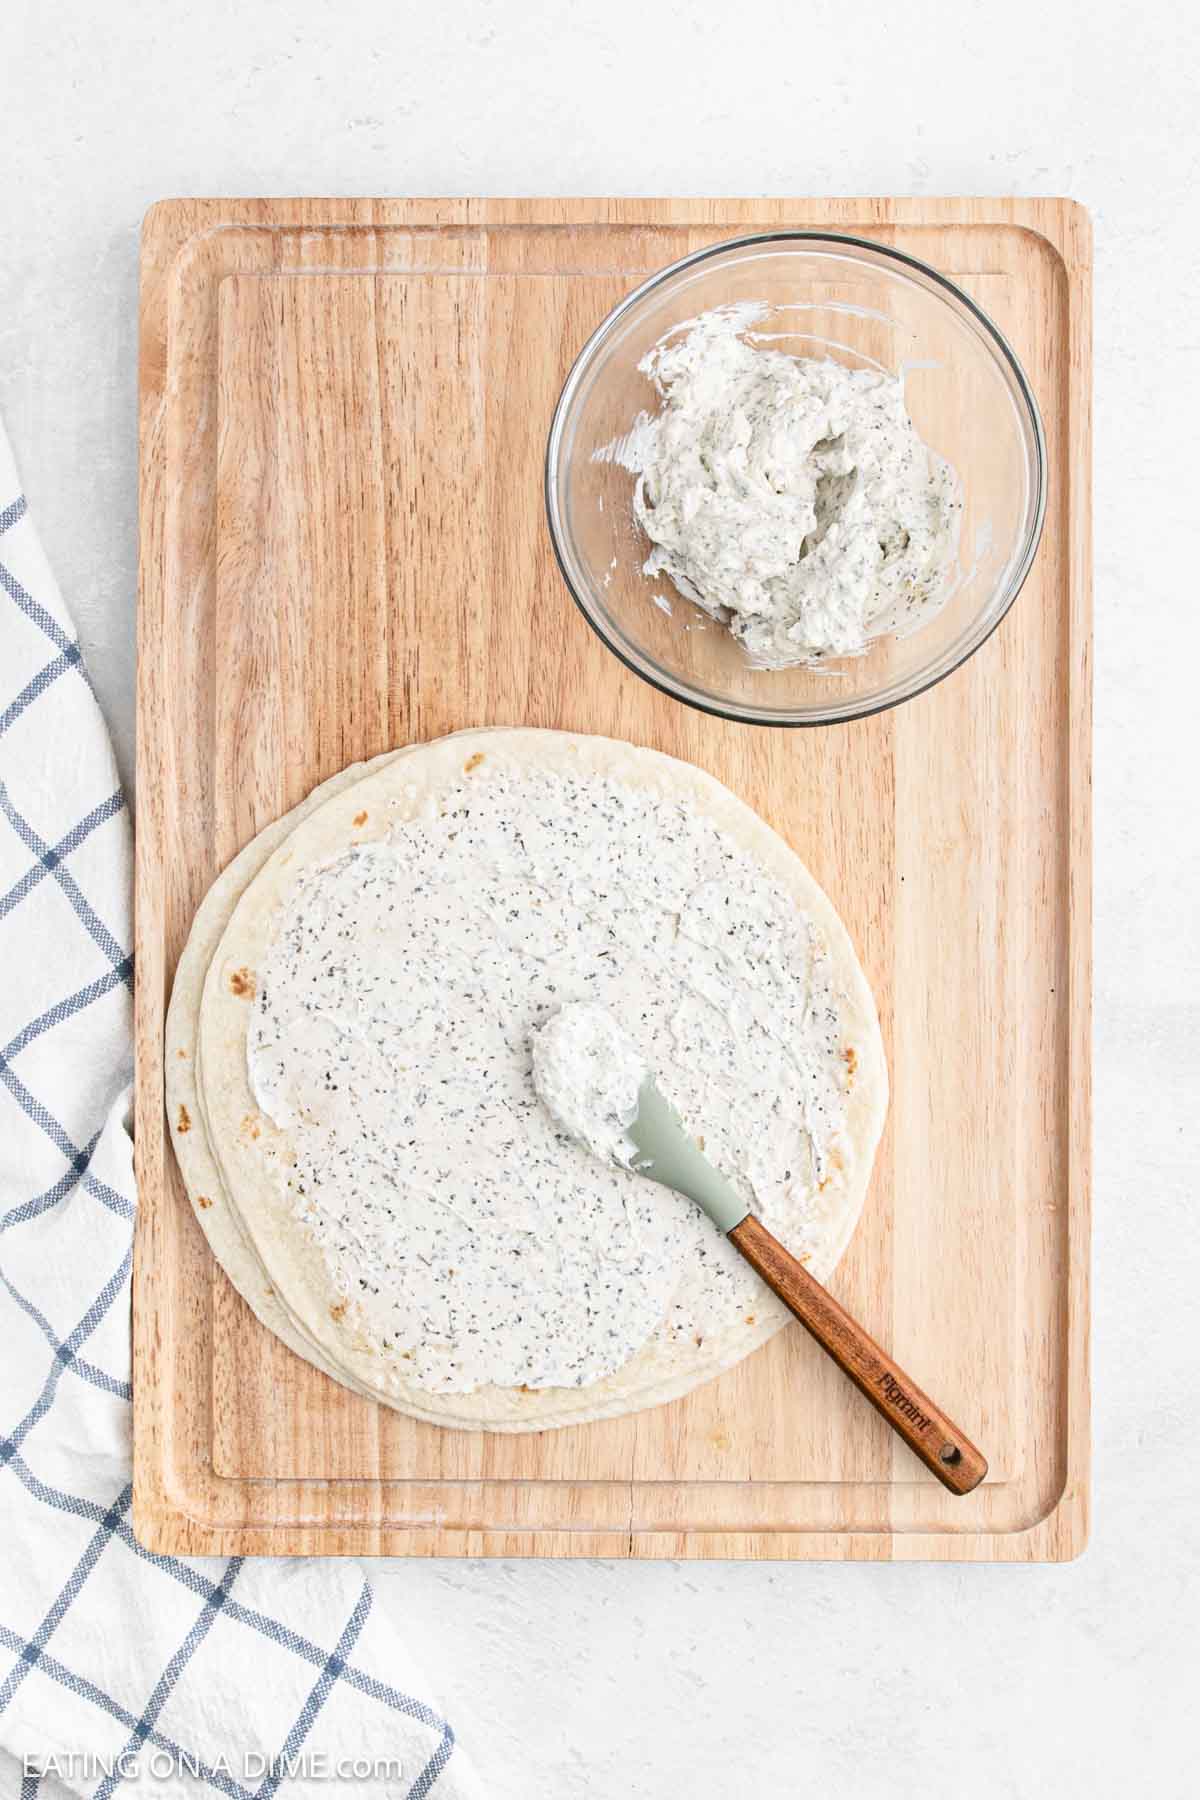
pixel 390 1040
pixel 789 496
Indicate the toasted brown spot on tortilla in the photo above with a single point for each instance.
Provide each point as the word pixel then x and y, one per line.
pixel 338 1310
pixel 181 1053
pixel 836 1165
pixel 184 1121
pixel 472 762
pixel 360 818
pixel 720 1440
pixel 700 1142
pixel 749 1318
pixel 525 1388
pixel 242 984
pixel 851 1056
pixel 251 1127
pixel 203 1200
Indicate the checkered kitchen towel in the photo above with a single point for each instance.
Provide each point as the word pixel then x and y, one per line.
pixel 119 1668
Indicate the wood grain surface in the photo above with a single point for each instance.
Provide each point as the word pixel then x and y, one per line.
pixel 343 414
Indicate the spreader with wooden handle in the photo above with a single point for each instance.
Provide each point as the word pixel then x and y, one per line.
pixel 668 1155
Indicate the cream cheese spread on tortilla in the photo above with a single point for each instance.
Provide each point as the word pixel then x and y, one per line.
pixel 390 1036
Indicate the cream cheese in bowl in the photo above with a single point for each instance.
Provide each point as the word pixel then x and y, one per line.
pixel 789 496
pixel 796 478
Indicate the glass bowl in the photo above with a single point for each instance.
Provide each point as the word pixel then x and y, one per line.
pixel 865 306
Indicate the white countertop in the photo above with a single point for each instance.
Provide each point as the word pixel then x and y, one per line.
pixel 869 1682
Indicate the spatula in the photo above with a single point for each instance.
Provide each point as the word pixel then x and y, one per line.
pixel 667 1154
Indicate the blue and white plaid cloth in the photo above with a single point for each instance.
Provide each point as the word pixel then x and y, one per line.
pixel 118 1667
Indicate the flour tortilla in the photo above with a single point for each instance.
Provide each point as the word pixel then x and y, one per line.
pixel 184 1085
pixel 247 1146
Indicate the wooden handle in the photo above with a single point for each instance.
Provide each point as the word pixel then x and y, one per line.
pixel 926 1430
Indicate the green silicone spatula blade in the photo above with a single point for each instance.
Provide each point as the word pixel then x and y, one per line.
pixel 666 1153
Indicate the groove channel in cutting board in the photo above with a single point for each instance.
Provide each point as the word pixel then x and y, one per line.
pixel 362 561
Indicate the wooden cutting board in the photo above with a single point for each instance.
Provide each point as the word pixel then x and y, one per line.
pixel 344 406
